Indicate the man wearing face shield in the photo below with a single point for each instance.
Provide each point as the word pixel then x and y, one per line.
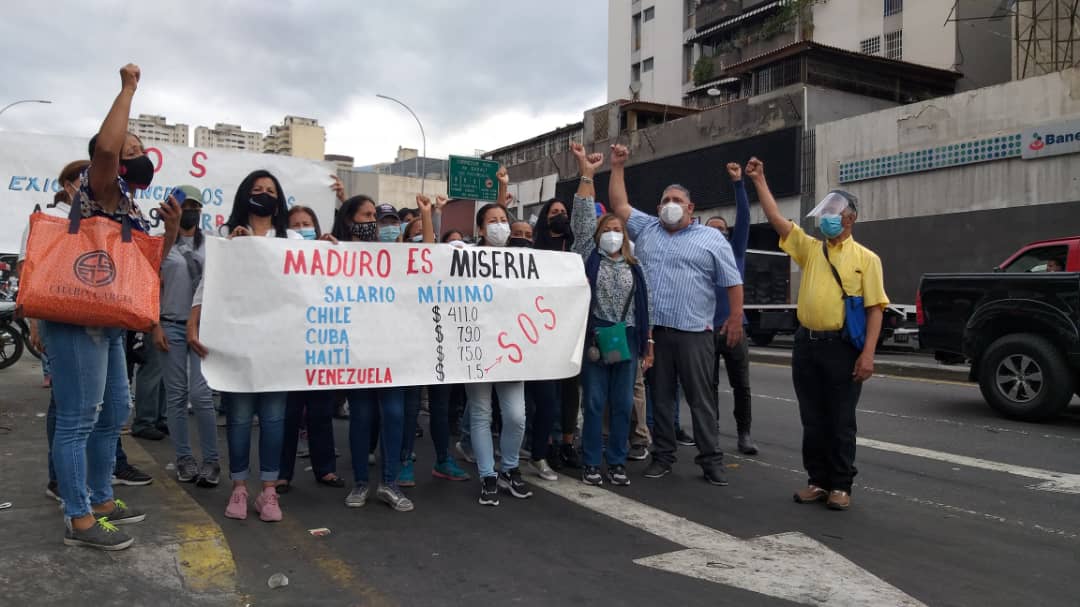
pixel 685 264
pixel 827 368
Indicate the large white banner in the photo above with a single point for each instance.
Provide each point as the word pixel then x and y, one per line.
pixel 284 314
pixel 30 165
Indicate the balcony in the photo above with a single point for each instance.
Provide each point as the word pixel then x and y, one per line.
pixel 712 12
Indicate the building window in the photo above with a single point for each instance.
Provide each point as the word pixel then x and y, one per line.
pixel 871 46
pixel 648 14
pixel 894 45
pixel 688 63
pixel 893 6
pixel 647 65
pixel 635 72
pixel 635 33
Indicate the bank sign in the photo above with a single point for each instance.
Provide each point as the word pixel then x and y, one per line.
pixel 1052 139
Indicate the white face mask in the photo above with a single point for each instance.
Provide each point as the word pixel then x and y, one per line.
pixel 610 242
pixel 671 214
pixel 497 234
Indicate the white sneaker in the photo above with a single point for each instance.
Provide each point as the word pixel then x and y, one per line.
pixel 544 471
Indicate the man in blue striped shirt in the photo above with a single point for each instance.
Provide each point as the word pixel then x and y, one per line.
pixel 684 265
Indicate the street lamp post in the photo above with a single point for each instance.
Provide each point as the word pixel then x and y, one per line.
pixel 24 101
pixel 423 153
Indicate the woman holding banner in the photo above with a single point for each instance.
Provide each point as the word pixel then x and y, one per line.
pixel 493 226
pixel 358 220
pixel 620 304
pixel 258 210
pixel 88 362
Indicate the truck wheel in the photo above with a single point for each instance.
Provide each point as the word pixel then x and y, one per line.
pixel 1024 377
pixel 762 339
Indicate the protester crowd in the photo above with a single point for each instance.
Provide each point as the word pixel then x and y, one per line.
pixel 666 308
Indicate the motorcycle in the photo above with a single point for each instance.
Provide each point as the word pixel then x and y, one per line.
pixel 9 289
pixel 11 341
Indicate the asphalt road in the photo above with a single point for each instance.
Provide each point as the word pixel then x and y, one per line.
pixel 959 522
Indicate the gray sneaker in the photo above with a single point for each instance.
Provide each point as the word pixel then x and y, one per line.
pixel 465 452
pixel 122 515
pixel 357 497
pixel 544 471
pixel 394 498
pixel 209 475
pixel 187 469
pixel 103 536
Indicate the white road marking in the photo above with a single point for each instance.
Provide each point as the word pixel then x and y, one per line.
pixel 1058 482
pixel 788 566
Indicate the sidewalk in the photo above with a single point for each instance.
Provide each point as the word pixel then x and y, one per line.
pixel 180 556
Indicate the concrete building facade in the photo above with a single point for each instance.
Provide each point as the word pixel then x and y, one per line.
pixel 154 129
pixel 959 183
pixel 229 137
pixel 296 136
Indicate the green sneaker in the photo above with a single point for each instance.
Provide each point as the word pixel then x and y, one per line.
pixel 449 470
pixel 121 514
pixel 406 478
pixel 103 535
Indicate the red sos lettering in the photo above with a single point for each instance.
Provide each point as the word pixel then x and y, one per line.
pixel 199 170
pixel 529 329
pixel 154 153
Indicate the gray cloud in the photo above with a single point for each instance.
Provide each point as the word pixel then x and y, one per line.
pixel 248 62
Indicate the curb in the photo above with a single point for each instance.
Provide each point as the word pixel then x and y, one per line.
pixel 953 373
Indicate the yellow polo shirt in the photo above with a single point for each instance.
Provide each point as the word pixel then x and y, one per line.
pixel 821 306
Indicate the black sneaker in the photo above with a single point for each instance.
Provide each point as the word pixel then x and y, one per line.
pixel 569 456
pixel 591 476
pixel 121 514
pixel 163 428
pixel 187 469
pixel 150 433
pixel 657 470
pixel 209 475
pixel 684 439
pixel 103 536
pixel 53 490
pixel 638 453
pixel 715 476
pixel 489 491
pixel 131 476
pixel 617 476
pixel 512 482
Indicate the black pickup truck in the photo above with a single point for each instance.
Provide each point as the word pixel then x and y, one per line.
pixel 1019 327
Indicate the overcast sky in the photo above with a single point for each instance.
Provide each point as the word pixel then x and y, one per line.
pixel 480 73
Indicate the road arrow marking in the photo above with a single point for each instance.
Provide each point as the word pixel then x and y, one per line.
pixel 788 566
pixel 1058 482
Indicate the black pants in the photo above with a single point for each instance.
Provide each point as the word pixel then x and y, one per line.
pixel 686 359
pixel 570 403
pixel 821 371
pixel 737 363
pixel 319 406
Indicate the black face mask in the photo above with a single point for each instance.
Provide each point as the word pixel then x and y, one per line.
pixel 189 218
pixel 137 172
pixel 524 243
pixel 559 224
pixel 366 232
pixel 263 204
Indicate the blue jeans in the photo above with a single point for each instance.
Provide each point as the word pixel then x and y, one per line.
pixel 46 371
pixel 240 408
pixel 184 381
pixel 512 404
pixel 92 402
pixel 390 403
pixel 605 385
pixel 410 422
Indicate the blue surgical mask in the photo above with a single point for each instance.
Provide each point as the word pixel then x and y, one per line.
pixel 831 225
pixel 389 233
pixel 308 233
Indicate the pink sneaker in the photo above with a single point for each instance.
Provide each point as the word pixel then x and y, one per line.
pixel 267 506
pixel 238 504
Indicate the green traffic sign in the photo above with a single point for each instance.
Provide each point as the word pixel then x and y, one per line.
pixel 473 178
